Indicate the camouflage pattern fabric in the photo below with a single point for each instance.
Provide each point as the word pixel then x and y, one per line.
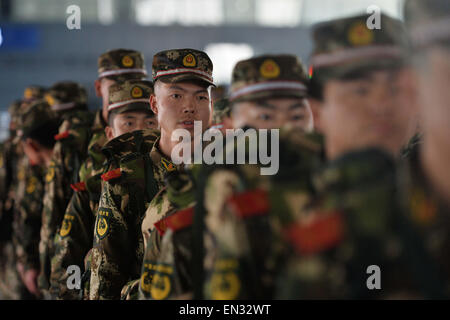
pixel 167 230
pixel 240 206
pixel 68 154
pixel 353 224
pixel 74 237
pixel 130 184
pixel 27 222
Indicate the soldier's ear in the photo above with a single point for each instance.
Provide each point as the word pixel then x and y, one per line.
pixel 98 85
pixel 153 104
pixel 316 109
pixel 109 132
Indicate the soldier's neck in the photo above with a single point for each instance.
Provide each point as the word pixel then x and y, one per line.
pixel 47 156
pixel 435 160
pixel 166 144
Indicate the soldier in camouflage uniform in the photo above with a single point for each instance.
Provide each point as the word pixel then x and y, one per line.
pixel 181 79
pixel 424 178
pixel 37 126
pixel 353 225
pixel 12 169
pixel 129 110
pixel 261 88
pixel 68 100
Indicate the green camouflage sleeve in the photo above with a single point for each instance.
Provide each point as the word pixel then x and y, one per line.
pixel 71 244
pixel 166 271
pixel 27 231
pixel 68 154
pixel 76 232
pixel 118 245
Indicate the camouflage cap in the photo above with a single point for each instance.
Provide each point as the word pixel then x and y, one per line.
pixel 345 45
pixel 66 95
pixel 268 76
pixel 33 92
pixel 130 95
pixel 37 115
pixel 428 21
pixel 14 108
pixel 122 64
pixel 221 110
pixel 179 65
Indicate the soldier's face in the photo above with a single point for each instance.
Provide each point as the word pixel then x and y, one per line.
pixel 434 93
pixel 273 114
pixel 178 105
pixel 376 110
pixel 130 121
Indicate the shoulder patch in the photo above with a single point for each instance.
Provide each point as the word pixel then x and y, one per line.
pixel 78 187
pixel 161 285
pixel 167 164
pixel 66 225
pixel 62 135
pixel 225 281
pixel 50 172
pixel 249 203
pixel 325 232
pixel 103 222
pixel 113 174
pixel 177 221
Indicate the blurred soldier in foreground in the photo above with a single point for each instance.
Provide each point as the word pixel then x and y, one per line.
pixel 424 178
pixel 353 228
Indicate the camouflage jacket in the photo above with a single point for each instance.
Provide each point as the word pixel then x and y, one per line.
pixel 74 238
pixel 135 176
pixel 166 229
pixel 69 152
pixel 430 217
pixel 28 217
pixel 10 155
pixel 245 214
pixel 170 222
pixel 356 242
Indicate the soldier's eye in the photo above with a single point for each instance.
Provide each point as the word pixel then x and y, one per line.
pixel 203 98
pixel 265 117
pixel 176 96
pixel 361 91
pixel 298 117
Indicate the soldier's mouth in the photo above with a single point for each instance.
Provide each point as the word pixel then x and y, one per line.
pixel 187 124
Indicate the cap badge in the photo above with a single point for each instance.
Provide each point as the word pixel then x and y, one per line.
pixel 269 69
pixel 360 35
pixel 28 94
pixel 127 61
pixel 189 60
pixel 50 100
pixel 136 92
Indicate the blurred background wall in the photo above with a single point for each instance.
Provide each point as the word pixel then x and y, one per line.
pixel 36 47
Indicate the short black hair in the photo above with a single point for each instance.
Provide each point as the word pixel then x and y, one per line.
pixel 44 134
